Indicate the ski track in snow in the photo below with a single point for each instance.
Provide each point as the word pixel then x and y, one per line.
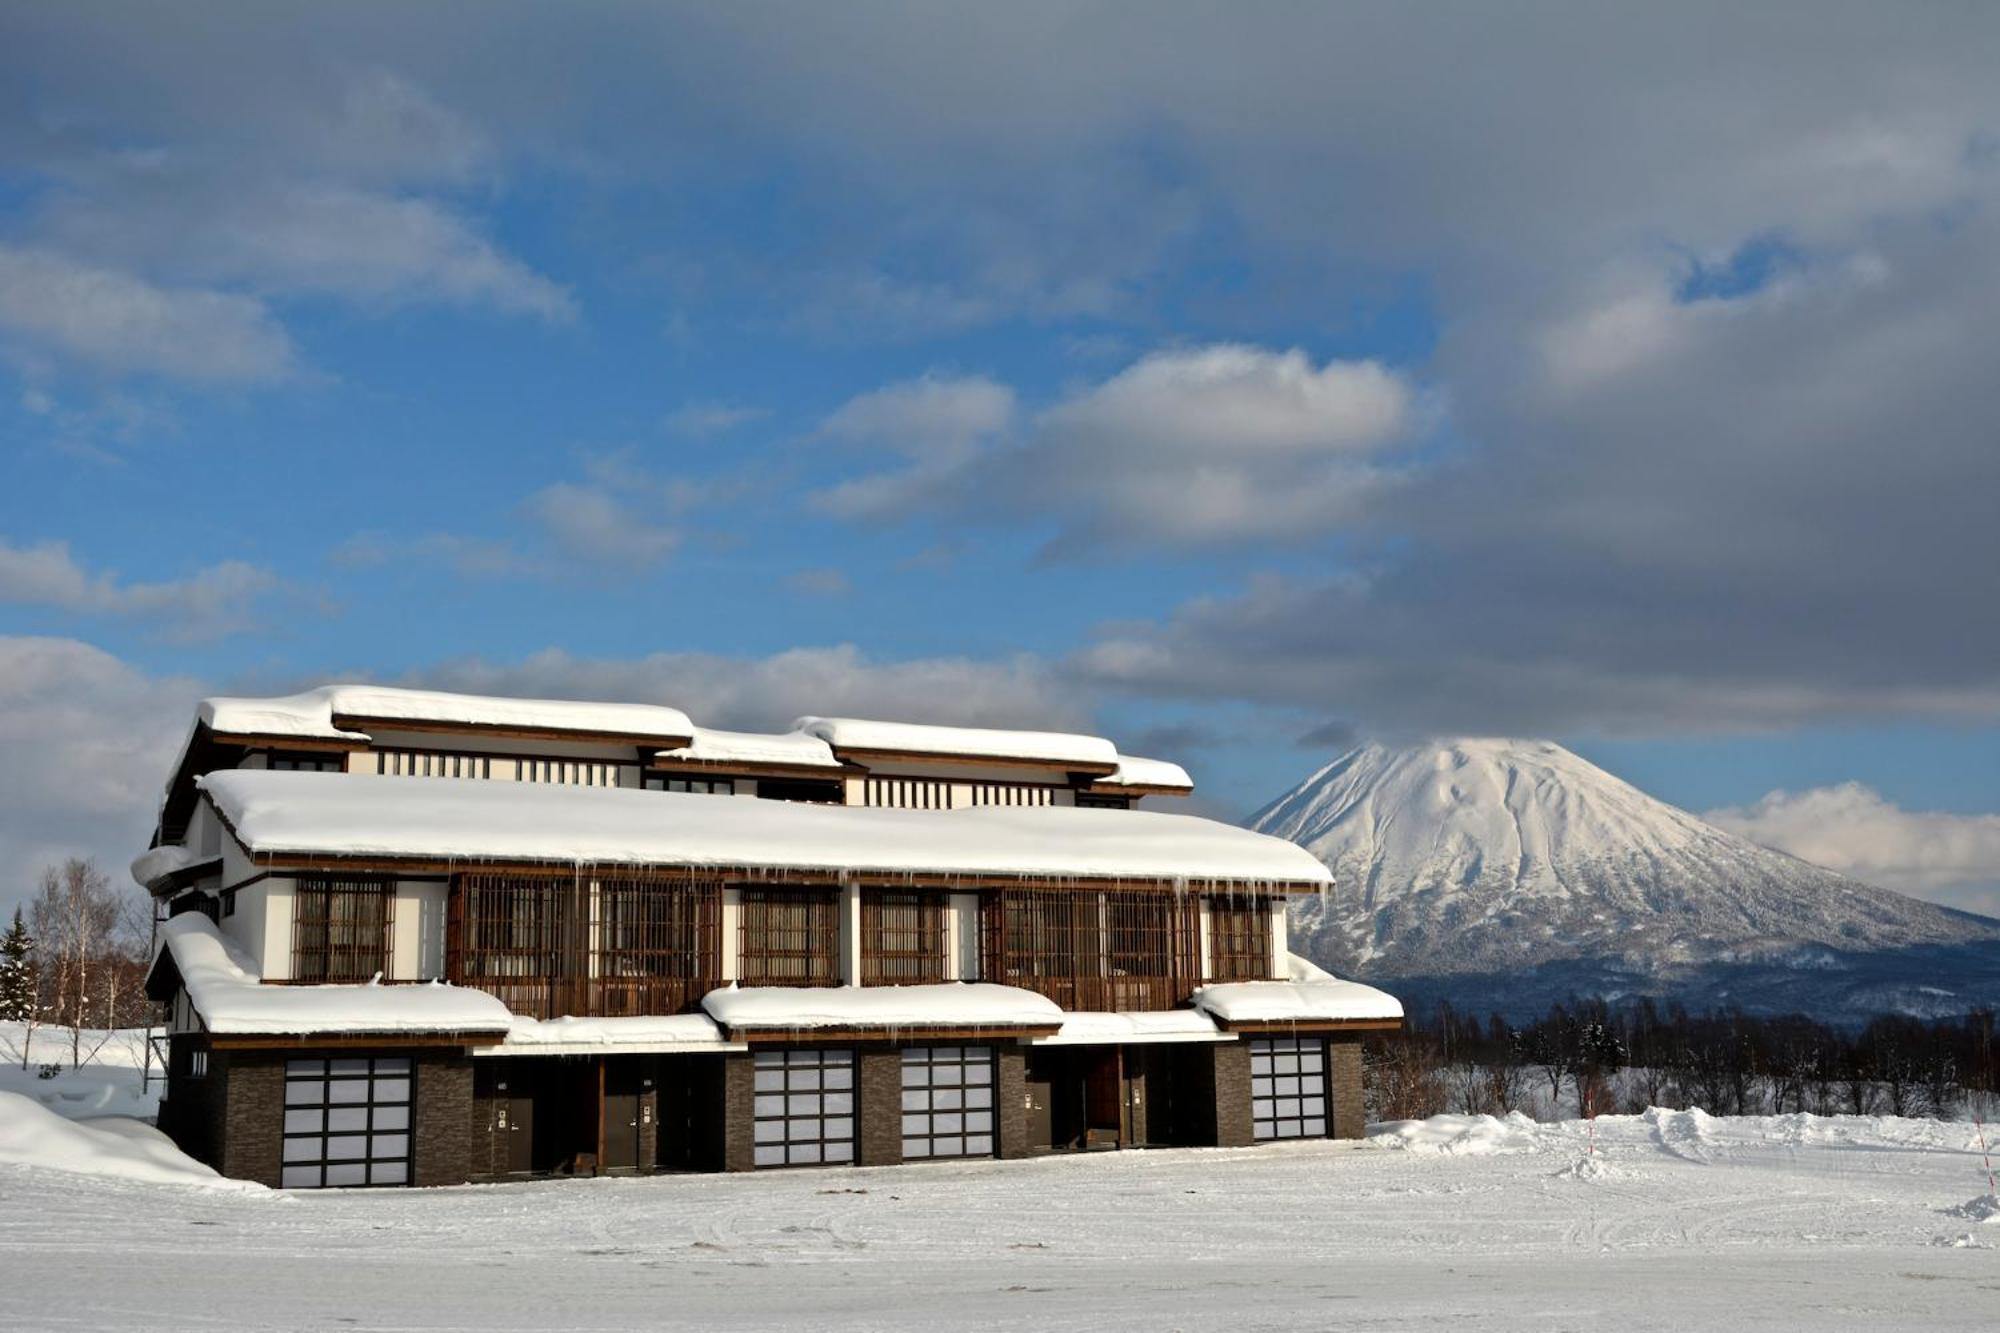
pixel 1683 1221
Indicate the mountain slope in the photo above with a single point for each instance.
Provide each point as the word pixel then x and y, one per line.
pixel 1515 871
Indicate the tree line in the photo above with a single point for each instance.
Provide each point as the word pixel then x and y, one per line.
pixel 1587 1058
pixel 75 962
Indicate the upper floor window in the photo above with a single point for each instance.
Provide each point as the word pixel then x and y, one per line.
pixel 1101 802
pixel 289 761
pixel 700 786
pixel 1115 950
pixel 818 790
pixel 549 945
pixel 1239 939
pixel 902 938
pixel 341 928
pixel 788 937
pixel 946 794
pixel 568 772
pixel 432 764
pixel 1011 793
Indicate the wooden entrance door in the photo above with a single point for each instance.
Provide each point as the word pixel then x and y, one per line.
pixel 622 1109
pixel 1055 1100
pixel 1104 1097
pixel 512 1111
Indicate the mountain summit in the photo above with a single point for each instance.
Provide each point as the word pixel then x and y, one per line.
pixel 1507 873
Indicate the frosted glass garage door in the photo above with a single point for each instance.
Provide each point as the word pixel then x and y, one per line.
pixel 947 1102
pixel 1288 1088
pixel 804 1109
pixel 347 1122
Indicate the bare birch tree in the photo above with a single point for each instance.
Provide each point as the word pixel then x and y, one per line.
pixel 74 916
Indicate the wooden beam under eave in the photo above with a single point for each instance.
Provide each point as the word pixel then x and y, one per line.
pixel 260 1041
pixel 883 1033
pixel 1288 1025
pixel 864 757
pixel 939 880
pixel 260 741
pixel 357 722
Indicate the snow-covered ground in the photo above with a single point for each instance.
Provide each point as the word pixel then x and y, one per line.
pixel 108 1082
pixel 1678 1222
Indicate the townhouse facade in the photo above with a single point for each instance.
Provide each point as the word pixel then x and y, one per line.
pixel 416 938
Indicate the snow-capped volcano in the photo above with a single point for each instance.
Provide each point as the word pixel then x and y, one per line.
pixel 1504 873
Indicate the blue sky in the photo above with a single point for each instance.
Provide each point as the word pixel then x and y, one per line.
pixel 1242 385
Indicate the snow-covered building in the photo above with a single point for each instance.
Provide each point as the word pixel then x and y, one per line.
pixel 425 938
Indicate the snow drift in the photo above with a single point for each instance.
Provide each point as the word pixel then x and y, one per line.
pixel 33 1135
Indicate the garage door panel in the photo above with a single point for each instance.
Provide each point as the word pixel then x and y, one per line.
pixel 947 1102
pixel 1288 1088
pixel 346 1122
pixel 803 1107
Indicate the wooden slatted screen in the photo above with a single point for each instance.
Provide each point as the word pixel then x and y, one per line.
pixel 550 946
pixel 341 928
pixel 788 937
pixel 1115 950
pixel 1239 939
pixel 902 938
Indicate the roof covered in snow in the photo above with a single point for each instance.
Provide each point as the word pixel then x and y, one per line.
pixel 223 985
pixel 651 1033
pixel 311 715
pixel 154 868
pixel 792 749
pixel 1329 1001
pixel 336 814
pixel 1163 1025
pixel 1056 748
pixel 953 1004
pixel 1134 771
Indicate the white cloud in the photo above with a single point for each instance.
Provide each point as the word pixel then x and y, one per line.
pixel 591 523
pixel 1203 446
pixel 88 741
pixel 704 419
pixel 768 692
pixel 471 557
pixel 168 245
pixel 937 423
pixel 118 322
pixel 365 246
pixel 214 601
pixel 926 417
pixel 819 583
pixel 384 126
pixel 1949 858
pixel 1234 399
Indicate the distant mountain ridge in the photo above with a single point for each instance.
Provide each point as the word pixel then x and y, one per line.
pixel 1507 873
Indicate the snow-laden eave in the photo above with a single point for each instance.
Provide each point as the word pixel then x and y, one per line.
pixel 309 819
pixel 865 739
pixel 233 1002
pixel 345 711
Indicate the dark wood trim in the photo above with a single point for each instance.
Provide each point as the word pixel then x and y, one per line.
pixel 258 741
pixel 750 768
pixel 942 879
pixel 865 756
pixel 174 881
pixel 350 1040
pixel 662 741
pixel 1136 789
pixel 884 1033
pixel 1310 1025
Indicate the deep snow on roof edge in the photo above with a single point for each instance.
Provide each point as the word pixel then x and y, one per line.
pixel 350 815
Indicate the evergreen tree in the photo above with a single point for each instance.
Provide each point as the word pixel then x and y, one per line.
pixel 17 973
